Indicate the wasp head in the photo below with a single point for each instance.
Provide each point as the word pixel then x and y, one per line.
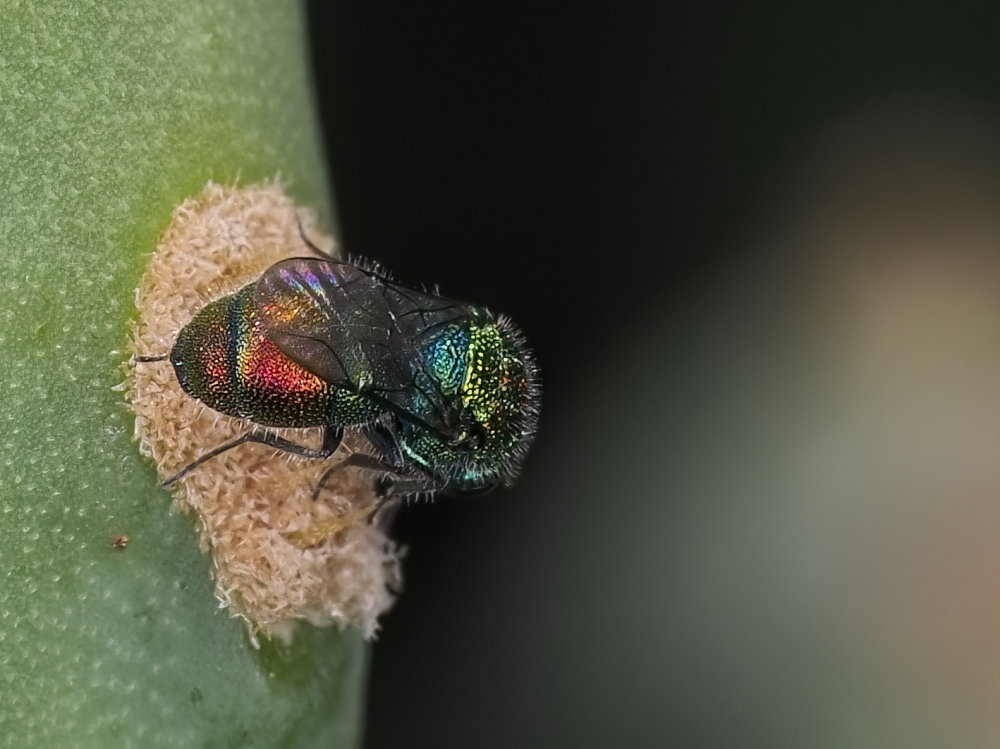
pixel 497 384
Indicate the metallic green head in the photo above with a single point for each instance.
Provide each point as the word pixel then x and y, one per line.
pixel 488 367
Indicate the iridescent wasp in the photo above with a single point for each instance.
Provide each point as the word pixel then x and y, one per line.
pixel 446 393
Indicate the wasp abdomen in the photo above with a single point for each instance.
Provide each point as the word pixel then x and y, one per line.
pixel 223 358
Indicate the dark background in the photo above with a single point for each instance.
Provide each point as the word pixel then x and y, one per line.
pixel 591 171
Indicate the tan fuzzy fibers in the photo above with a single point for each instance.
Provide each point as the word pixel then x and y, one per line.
pixel 277 556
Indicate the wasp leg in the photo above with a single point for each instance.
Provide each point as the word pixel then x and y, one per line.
pixel 390 487
pixel 355 460
pixel 384 512
pixel 383 442
pixel 331 441
pixel 162 357
pixel 309 243
pixel 386 444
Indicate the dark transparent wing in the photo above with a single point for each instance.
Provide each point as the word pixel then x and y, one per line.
pixel 330 318
pixel 354 328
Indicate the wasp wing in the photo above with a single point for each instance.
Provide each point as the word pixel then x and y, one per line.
pixel 355 329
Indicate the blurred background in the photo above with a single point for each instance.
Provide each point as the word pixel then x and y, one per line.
pixel 758 253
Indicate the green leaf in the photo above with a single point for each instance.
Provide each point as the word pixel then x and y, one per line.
pixel 110 114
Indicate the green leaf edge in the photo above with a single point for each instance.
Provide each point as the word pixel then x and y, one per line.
pixel 113 113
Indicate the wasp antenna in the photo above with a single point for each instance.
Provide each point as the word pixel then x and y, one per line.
pixel 144 359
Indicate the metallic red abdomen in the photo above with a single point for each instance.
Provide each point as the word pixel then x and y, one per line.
pixel 223 359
